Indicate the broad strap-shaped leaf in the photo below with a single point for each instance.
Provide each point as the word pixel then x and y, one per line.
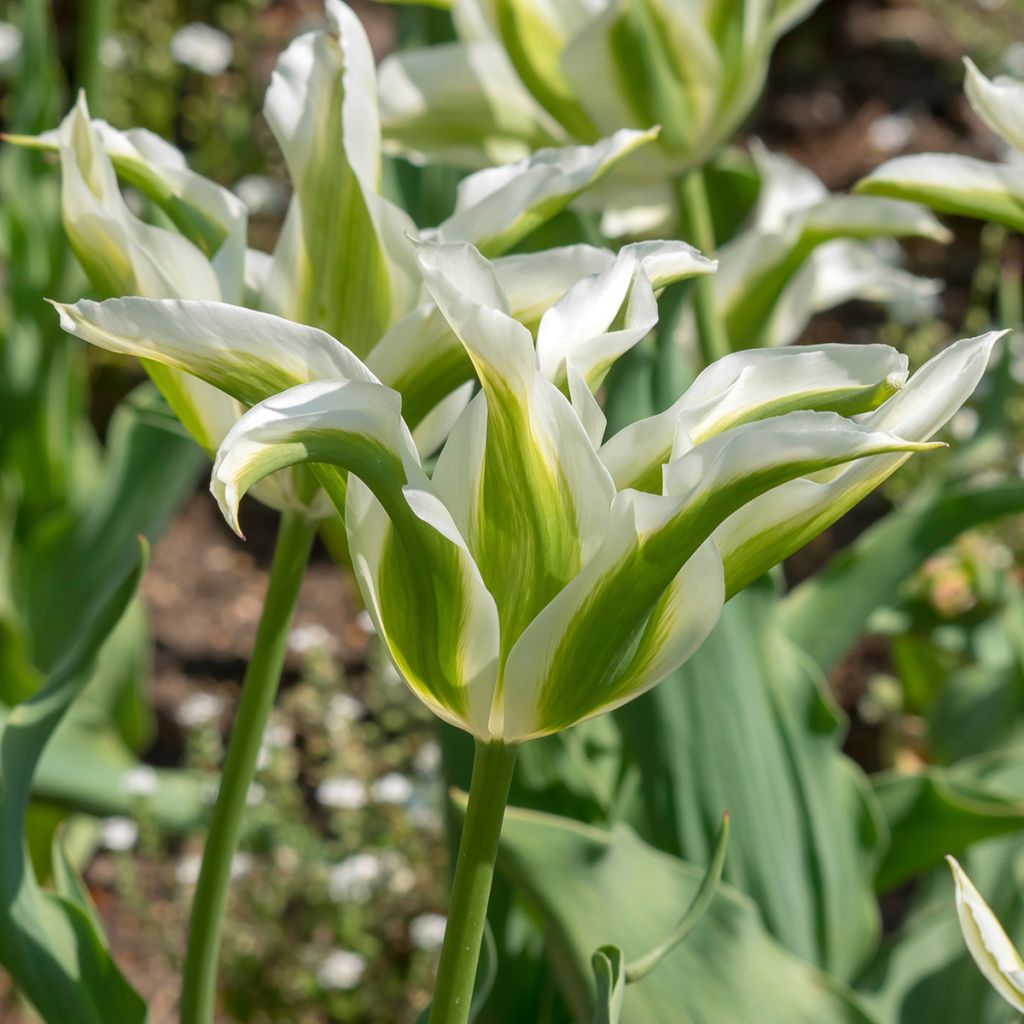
pixel 754 385
pixel 49 943
pixel 422 587
pixel 951 183
pixel 997 101
pixel 593 886
pixel 632 615
pixel 779 523
pixel 344 263
pixel 996 956
pixel 461 103
pixel 519 473
pixel 497 207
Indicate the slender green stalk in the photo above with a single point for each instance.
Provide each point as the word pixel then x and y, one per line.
pixel 97 19
pixel 493 765
pixel 291 553
pixel 698 229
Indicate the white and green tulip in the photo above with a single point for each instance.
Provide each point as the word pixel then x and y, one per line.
pixel 964 185
pixel 360 281
pixel 539 576
pixel 525 74
pixel 989 945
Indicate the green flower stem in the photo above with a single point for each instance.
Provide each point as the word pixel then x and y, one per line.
pixel 493 765
pixel 291 553
pixel 698 229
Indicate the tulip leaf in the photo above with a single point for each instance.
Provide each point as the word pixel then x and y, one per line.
pixel 609 968
pixel 48 942
pixel 745 725
pixel 590 885
pixel 939 811
pixel 828 612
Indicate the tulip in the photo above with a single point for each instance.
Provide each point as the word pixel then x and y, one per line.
pixel 541 575
pixel 990 947
pixel 964 185
pixel 525 74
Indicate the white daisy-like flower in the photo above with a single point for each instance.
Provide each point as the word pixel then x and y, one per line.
pixel 10 44
pixel 354 879
pixel 199 709
pixel 139 781
pixel 427 931
pixel 343 793
pixel 202 47
pixel 392 788
pixel 118 834
pixel 341 969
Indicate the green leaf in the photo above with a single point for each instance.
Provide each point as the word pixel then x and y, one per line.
pixel 745 725
pixel 939 811
pixel 610 981
pixel 828 612
pixel 591 886
pixel 48 943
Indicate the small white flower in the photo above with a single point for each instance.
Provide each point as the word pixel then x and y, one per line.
pixel 891 133
pixel 199 709
pixel 255 795
pixel 392 788
pixel 427 931
pixel 365 623
pixel 140 781
pixel 278 735
pixel 112 53
pixel 341 969
pixel 304 639
pixel 344 792
pixel 202 48
pixel 354 878
pixel 427 760
pixel 10 44
pixel 426 819
pixel 263 196
pixel 343 707
pixel 118 834
pixel 964 424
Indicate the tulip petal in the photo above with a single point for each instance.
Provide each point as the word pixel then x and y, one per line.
pixel 953 184
pixel 423 589
pixel 460 103
pixel 322 107
pixel 629 618
pixel 497 207
pixel 989 945
pixel 540 496
pixel 245 354
pixel 755 385
pixel 775 525
pixel 998 102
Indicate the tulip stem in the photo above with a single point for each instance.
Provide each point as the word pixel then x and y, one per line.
pixel 291 553
pixel 699 230
pixel 493 765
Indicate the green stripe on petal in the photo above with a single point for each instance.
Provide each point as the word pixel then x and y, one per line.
pixel 343 257
pixel 599 637
pixel 754 385
pixel 539 495
pixel 989 945
pixel 246 354
pixel 424 591
pixel 954 184
pixel 777 524
pixel 497 207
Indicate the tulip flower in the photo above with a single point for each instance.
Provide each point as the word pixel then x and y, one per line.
pixel 964 185
pixel 525 74
pixel 989 945
pixel 541 575
pixel 357 283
